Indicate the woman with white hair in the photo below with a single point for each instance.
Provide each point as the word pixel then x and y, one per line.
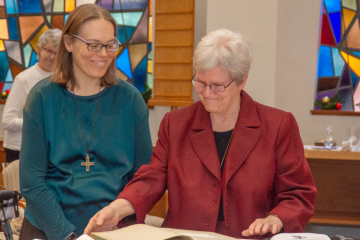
pixel 12 120
pixel 230 165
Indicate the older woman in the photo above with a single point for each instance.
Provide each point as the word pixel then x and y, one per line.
pixel 85 132
pixel 230 164
pixel 12 120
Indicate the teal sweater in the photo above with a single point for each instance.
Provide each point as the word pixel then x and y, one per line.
pixel 61 196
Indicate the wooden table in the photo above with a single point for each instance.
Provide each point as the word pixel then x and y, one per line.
pixel 337 179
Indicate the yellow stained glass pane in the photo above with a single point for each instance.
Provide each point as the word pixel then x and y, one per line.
pixel 348 16
pixel 2 47
pixel 69 5
pixel 118 50
pixel 353 62
pixel 34 41
pixel 150 29
pixel 150 7
pixel 4 34
pixel 121 75
pixel 149 68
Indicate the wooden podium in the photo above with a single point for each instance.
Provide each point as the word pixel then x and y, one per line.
pixel 337 179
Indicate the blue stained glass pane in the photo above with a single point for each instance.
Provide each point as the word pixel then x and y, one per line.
pixel 346 95
pixel 65 18
pixel 149 47
pixel 16 7
pixel 13 33
pixel 121 34
pixel 10 8
pixel 117 5
pixel 9 77
pixel 118 18
pixel 354 78
pixel 139 75
pixel 332 5
pixel 325 68
pixel 335 19
pixel 33 59
pixel 123 63
pixel 357 53
pixel 29 6
pixel 107 4
pixel 7 86
pixel 134 4
pixel 345 80
pixel 27 53
pixel 338 61
pixel 129 32
pixel 3 66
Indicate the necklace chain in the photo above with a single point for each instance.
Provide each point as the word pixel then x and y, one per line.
pixel 82 129
pixel 222 161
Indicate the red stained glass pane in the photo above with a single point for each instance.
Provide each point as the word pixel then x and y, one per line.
pixel 326 34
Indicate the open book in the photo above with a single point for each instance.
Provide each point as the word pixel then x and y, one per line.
pixel 146 232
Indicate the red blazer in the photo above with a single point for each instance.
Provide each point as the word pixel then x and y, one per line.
pixel 265 171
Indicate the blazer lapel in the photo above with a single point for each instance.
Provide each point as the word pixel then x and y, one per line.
pixel 244 139
pixel 203 142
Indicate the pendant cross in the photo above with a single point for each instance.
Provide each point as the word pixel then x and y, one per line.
pixel 87 163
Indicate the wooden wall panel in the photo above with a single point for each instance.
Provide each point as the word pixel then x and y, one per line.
pixel 174 55
pixel 179 21
pixel 166 6
pixel 173 52
pixel 172 89
pixel 174 38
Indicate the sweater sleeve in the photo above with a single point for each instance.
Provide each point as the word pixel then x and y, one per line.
pixel 15 103
pixel 143 143
pixel 150 182
pixel 34 161
pixel 294 185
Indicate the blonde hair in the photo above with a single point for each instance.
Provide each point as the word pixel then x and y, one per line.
pixel 64 73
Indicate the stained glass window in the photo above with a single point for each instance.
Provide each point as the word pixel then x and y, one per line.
pixel 339 58
pixel 23 21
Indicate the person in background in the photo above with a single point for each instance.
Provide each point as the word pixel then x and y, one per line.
pixel 12 118
pixel 85 132
pixel 230 165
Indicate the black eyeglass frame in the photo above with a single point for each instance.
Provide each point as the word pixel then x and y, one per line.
pixel 49 51
pixel 102 45
pixel 193 81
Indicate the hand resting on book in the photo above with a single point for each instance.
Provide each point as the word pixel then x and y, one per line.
pixel 262 226
pixel 108 217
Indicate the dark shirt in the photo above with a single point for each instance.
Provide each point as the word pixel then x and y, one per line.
pixel 222 141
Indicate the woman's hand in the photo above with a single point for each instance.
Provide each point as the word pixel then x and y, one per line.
pixel 262 226
pixel 108 217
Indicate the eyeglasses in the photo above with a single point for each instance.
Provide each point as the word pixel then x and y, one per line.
pixel 200 86
pixel 95 46
pixel 49 51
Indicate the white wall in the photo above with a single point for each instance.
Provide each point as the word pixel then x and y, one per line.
pixel 283 35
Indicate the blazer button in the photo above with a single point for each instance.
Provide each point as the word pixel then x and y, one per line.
pixel 227 225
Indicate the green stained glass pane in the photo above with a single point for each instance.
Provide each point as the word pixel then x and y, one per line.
pixel 48 18
pixel 338 61
pixel 150 81
pixel 58 6
pixel 27 54
pixel 132 18
pixel 350 4
pixel 150 55
pixel 118 18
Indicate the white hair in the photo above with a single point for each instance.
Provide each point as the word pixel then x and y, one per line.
pixel 227 49
pixel 51 35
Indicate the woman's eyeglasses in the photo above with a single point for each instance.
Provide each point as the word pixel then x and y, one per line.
pixel 49 51
pixel 200 86
pixel 94 47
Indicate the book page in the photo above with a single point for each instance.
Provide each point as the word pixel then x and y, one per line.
pixel 200 235
pixel 138 232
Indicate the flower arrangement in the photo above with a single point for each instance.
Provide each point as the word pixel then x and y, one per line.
pixel 327 103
